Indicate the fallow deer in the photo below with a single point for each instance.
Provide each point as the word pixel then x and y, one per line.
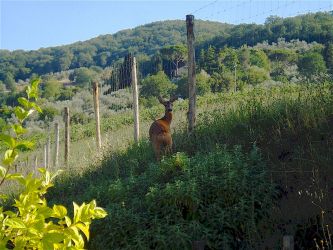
pixel 159 132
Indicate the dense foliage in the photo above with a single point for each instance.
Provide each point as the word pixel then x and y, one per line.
pixel 217 188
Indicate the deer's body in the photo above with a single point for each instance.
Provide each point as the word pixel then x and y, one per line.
pixel 159 132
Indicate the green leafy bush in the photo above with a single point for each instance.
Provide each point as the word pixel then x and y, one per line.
pixel 31 224
pixel 217 197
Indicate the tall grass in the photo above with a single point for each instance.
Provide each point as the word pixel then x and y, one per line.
pixel 291 127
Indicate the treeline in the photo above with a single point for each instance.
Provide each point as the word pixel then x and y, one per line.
pixel 145 41
pixel 310 27
pixel 101 51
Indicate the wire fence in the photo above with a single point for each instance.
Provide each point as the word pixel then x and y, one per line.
pixel 116 89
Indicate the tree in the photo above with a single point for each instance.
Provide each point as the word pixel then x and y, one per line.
pixel 202 84
pixel 221 82
pixel 244 57
pixel 228 57
pixel 155 85
pixel 48 114
pixel 311 65
pixel 10 82
pixel 83 76
pixel 211 60
pixel 2 87
pixel 259 58
pixel 51 89
pixel 256 75
pixel 328 52
pixel 176 54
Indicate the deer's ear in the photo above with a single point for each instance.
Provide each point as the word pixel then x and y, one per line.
pixel 161 100
pixel 173 98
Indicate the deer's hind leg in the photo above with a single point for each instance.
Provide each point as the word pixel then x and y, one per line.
pixel 167 150
pixel 157 149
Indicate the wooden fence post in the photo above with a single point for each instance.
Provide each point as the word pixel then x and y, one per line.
pixel 56 148
pixel 45 156
pixel 36 163
pixel 135 101
pixel 191 72
pixel 67 135
pixel 96 107
pixel 48 152
pixel 288 242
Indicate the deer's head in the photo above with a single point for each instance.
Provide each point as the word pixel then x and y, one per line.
pixel 168 104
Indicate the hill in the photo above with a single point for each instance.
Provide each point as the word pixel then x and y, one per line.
pixel 103 50
pixel 146 40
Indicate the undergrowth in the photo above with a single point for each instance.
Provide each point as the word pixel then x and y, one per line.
pixel 219 187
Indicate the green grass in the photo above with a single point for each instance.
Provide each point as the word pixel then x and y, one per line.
pixel 224 185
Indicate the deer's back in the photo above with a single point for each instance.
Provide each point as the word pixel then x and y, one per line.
pixel 158 128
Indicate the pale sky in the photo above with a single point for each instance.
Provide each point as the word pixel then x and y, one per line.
pixel 26 24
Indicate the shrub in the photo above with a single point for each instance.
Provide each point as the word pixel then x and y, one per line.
pixel 156 85
pixel 32 224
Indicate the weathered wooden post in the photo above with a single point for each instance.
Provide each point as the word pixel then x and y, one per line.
pixel 67 136
pixel 36 163
pixel 235 68
pixel 56 148
pixel 135 100
pixel 45 156
pixel 288 242
pixel 96 107
pixel 191 72
pixel 48 152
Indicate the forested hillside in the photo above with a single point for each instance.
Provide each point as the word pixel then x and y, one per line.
pixel 148 39
pixel 103 50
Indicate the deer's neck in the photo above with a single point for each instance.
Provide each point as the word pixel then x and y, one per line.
pixel 167 117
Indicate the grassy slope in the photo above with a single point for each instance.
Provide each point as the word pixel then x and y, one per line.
pixel 221 188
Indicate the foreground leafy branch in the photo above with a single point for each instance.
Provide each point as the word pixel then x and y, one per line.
pixel 31 224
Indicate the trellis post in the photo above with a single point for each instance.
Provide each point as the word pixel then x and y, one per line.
pixel 56 148
pixel 135 100
pixel 97 118
pixel 191 72
pixel 67 135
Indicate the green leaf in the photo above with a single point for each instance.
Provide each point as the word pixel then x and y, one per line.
pixel 3 171
pixel 99 213
pixel 77 212
pixel 59 211
pixel 52 238
pixel 9 157
pixel 24 102
pixel 4 198
pixel 32 90
pixel 8 140
pixel 84 229
pixel 45 211
pixel 18 129
pixel 75 236
pixel 36 107
pixel 18 177
pixel 24 145
pixel 14 223
pixel 68 221
pixel 20 113
pixel 37 227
